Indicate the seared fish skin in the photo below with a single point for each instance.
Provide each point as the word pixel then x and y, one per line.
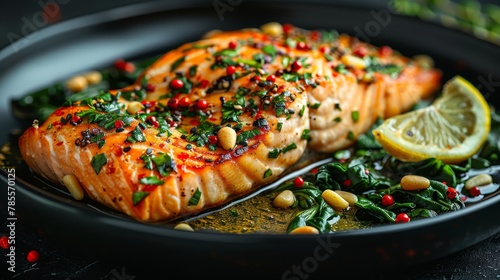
pixel 218 118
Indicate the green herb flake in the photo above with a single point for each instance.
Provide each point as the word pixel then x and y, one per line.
pixel 337 119
pixel 98 161
pixel 138 197
pixel 280 126
pixel 177 63
pixel 355 116
pixel 151 180
pixel 302 110
pixel 306 134
pixel 350 135
pixel 195 198
pixel 268 173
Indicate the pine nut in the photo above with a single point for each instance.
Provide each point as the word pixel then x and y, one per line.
pixel 414 183
pixel 77 83
pixel 134 107
pixel 305 230
pixel 284 200
pixel 73 186
pixel 227 137
pixel 478 181
pixel 272 29
pixel 93 77
pixel 353 61
pixel 348 196
pixel 183 226
pixel 334 200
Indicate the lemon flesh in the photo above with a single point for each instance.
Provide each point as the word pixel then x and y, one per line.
pixel 453 128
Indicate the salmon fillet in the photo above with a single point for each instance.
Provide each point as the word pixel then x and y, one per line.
pixel 218 118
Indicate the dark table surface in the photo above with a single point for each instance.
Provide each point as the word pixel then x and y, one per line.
pixel 63 261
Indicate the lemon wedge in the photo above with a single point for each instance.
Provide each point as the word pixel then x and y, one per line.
pixel 453 128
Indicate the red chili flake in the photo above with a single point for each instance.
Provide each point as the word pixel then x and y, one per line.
pixel 314 170
pixel 463 197
pixel 176 84
pixel 233 45
pixel 315 35
pixel 194 122
pixel 402 218
pixel 255 79
pixel 59 143
pixel 149 87
pixel 271 78
pixel 173 103
pixel 302 46
pixel 204 83
pixel 360 51
pixel 385 51
pixel 148 103
pixel 475 191
pixel 387 200
pixel 202 104
pixel 4 242
pixel 119 124
pixel 59 113
pixel 124 66
pixel 213 139
pixel 183 156
pixel 451 193
pixel 230 70
pixel 347 182
pixel 111 169
pixel 444 183
pixel 33 256
pixel 287 28
pixel 298 182
pixel 296 65
pixel 185 101
pixel 149 188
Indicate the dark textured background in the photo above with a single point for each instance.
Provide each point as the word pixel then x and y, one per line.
pixel 62 261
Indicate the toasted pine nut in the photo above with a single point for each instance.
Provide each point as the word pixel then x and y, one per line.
pixel 478 181
pixel 93 77
pixel 183 226
pixel 134 107
pixel 77 83
pixel 353 61
pixel 348 196
pixel 284 200
pixel 414 183
pixel 227 137
pixel 305 230
pixel 334 200
pixel 73 186
pixel 272 28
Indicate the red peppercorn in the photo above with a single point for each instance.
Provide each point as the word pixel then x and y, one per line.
pixel 32 256
pixel 360 51
pixel 173 103
pixel 76 119
pixel 230 70
pixel 203 83
pixel 213 139
pixel 124 66
pixel 347 182
pixel 475 191
pixel 4 242
pixel 202 104
pixel 402 218
pixel 119 124
pixel 149 87
pixel 233 45
pixel 298 182
pixel 451 193
pixel 176 84
pixel 385 51
pixel 271 78
pixel 387 200
pixel 324 49
pixel 184 101
pixel 296 65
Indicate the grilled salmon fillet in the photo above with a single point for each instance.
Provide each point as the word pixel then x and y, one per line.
pixel 217 118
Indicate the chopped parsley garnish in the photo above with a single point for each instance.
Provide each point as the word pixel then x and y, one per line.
pixel 151 180
pixel 177 63
pixel 195 199
pixel 136 136
pixel 138 197
pixel 98 161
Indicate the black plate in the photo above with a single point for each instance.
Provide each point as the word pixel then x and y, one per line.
pixel 95 41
